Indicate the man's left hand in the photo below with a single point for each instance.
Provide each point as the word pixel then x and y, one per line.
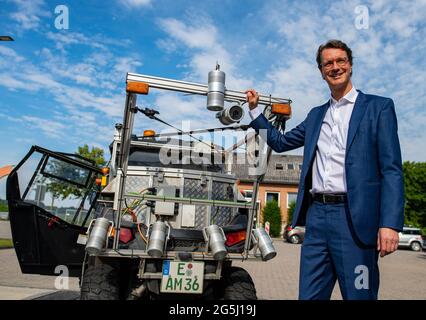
pixel 387 241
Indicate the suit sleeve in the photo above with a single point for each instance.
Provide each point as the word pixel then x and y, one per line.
pixel 392 183
pixel 279 142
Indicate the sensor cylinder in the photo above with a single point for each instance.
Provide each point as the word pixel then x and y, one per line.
pixel 98 236
pixel 216 90
pixel 265 244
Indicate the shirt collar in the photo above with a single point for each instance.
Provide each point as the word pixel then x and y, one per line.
pixel 349 97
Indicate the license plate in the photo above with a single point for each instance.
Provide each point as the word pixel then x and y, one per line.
pixel 182 277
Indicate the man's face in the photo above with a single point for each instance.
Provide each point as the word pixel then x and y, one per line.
pixel 335 68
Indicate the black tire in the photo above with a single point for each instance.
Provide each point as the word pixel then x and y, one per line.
pixel 236 284
pixel 100 282
pixel 295 239
pixel 416 246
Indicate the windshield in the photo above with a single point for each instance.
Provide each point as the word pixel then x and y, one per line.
pixel 62 188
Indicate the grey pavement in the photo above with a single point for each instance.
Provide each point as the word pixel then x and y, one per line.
pixel 15 285
pixel 403 277
pixel 5 232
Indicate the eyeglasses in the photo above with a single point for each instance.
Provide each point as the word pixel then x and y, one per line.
pixel 341 62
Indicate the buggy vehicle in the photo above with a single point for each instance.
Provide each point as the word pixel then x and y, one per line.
pixel 143 227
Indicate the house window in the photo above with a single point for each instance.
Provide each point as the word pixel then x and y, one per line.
pixel 290 166
pixel 300 167
pixel 272 196
pixel 291 197
pixel 279 166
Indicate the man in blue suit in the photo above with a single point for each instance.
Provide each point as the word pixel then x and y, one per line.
pixel 351 195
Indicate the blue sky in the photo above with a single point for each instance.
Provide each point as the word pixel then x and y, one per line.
pixel 63 88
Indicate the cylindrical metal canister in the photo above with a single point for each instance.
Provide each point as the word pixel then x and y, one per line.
pixel 266 247
pixel 157 239
pixel 216 241
pixel 97 237
pixel 216 90
pixel 231 115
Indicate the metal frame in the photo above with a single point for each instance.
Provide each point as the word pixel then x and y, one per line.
pixel 125 143
pixel 196 88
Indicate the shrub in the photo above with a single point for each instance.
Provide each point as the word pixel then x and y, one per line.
pixel 272 214
pixel 290 211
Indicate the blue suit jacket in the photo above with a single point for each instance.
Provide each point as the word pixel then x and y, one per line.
pixel 373 164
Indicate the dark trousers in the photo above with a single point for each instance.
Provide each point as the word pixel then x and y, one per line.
pixel 331 252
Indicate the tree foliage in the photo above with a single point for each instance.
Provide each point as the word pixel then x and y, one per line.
pixel 63 190
pixel 415 193
pixel 290 211
pixel 272 214
pixel 95 154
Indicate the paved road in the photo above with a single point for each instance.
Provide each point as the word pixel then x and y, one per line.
pixel 403 276
pixel 5 232
pixel 16 286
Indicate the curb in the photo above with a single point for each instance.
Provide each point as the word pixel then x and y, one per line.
pixel 39 295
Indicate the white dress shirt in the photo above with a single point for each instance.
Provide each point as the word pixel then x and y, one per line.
pixel 328 172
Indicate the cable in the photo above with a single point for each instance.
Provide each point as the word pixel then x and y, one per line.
pixel 150 113
pixel 141 234
pixel 122 254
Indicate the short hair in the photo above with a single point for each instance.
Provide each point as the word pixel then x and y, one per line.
pixel 333 44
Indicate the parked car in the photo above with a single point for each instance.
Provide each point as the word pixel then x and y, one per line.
pixel 294 235
pixel 412 238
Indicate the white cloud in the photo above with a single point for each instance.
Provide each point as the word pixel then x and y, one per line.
pixel 200 36
pixel 13 84
pixel 136 3
pixel 10 54
pixel 53 129
pixel 279 58
pixel 63 40
pixel 122 65
pixel 386 57
pixel 205 47
pixel 29 13
pixel 86 97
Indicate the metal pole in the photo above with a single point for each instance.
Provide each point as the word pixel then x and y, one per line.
pixel 216 203
pixel 196 88
pixel 126 134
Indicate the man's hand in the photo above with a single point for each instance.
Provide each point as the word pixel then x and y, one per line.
pixel 252 98
pixel 387 241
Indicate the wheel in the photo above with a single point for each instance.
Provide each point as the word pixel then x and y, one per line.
pixel 295 239
pixel 415 246
pixel 100 282
pixel 236 284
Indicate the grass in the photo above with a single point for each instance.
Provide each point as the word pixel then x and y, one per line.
pixel 6 243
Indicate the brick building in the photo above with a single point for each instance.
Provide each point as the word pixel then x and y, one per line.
pixel 280 182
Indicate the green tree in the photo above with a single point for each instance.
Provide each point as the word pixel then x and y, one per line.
pixel 62 190
pixel 272 214
pixel 415 193
pixel 290 211
pixel 95 154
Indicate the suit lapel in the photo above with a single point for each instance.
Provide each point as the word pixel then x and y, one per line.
pixel 317 129
pixel 357 114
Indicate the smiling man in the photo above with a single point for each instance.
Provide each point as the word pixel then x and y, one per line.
pixel 351 195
